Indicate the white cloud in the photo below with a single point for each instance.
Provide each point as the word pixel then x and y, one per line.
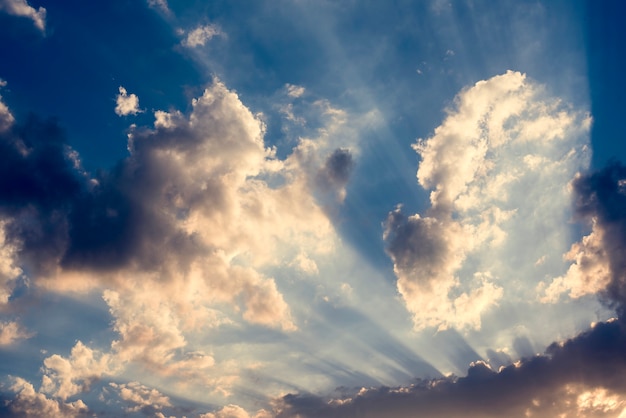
pixel 201 35
pixel 160 4
pixel 141 396
pixel 589 272
pixel 22 8
pixel 65 377
pixel 505 153
pixel 127 104
pixel 294 90
pixel 11 332
pixel 29 403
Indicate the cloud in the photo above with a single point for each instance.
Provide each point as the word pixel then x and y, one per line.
pixel 127 104
pixel 201 35
pixel 178 236
pixel 598 264
pixel 22 8
pixel 235 411
pixel 161 5
pixel 581 377
pixel 6 118
pixel 504 153
pixel 11 331
pixel 30 403
pixel 294 91
pixel 66 377
pixel 141 397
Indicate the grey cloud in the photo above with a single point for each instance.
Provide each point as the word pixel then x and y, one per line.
pixel 333 176
pixel 601 198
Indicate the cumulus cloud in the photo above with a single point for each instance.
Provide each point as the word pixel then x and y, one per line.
pixel 65 377
pixel 127 104
pixel 30 403
pixel 177 237
pixel 505 152
pixel 201 35
pixel 22 8
pixel 141 398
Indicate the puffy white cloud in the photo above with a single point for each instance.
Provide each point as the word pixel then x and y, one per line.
pixel 30 403
pixel 22 8
pixel 65 377
pixel 201 35
pixel 127 104
pixel 589 272
pixel 141 397
pixel 504 153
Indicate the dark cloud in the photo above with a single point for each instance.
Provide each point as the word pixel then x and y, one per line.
pixel 415 244
pixel 57 216
pixel 542 386
pixel 601 198
pixel 333 176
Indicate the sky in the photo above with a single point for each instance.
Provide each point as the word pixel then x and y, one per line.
pixel 299 208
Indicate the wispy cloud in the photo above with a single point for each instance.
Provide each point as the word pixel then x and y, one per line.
pixel 22 8
pixel 201 35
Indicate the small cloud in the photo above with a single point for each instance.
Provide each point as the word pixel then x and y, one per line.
pixel 159 4
pixel 200 35
pixel 294 90
pixel 11 332
pixel 127 104
pixel 22 8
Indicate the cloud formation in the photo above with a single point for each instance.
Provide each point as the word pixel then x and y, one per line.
pixel 126 104
pixel 22 8
pixel 491 165
pixel 201 35
pixel 176 237
pixel 581 377
pixel 598 264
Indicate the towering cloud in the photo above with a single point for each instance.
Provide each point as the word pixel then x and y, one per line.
pixel 504 153
pixel 177 237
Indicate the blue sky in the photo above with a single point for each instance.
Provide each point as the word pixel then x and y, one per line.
pixel 312 208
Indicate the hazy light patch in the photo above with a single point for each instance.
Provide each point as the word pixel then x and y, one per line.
pixel 498 168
